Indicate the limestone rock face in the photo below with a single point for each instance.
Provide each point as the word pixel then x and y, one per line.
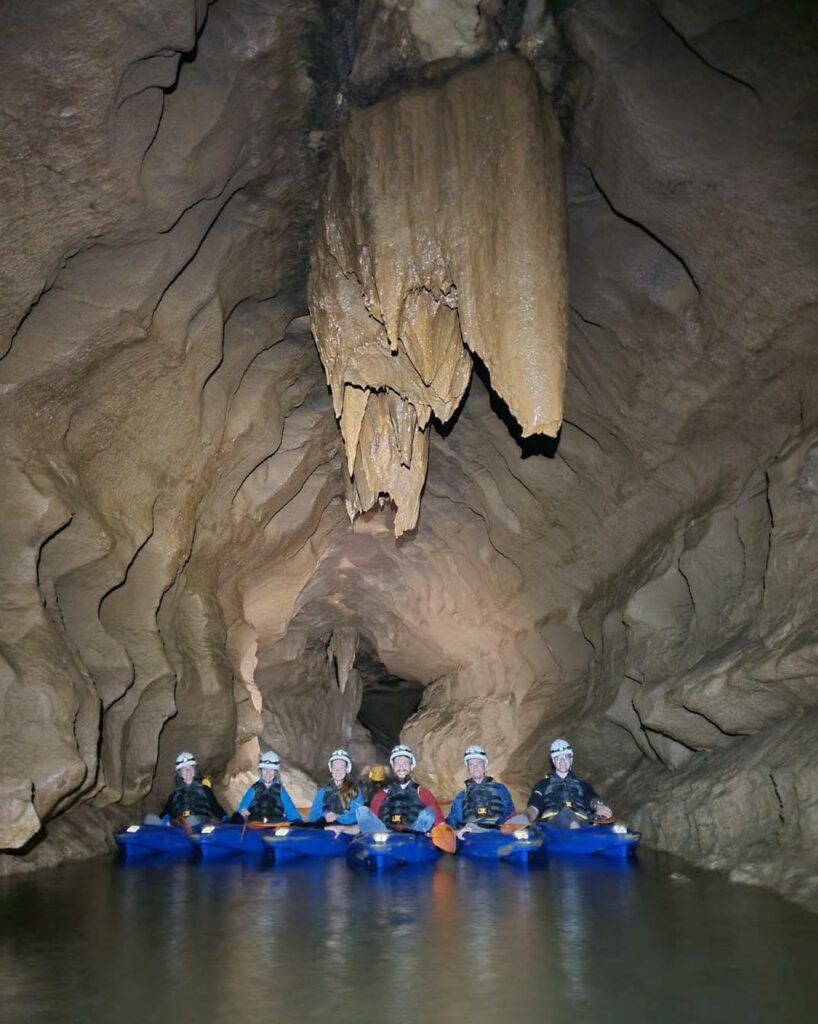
pixel 153 263
pixel 178 569
pixel 418 35
pixel 440 230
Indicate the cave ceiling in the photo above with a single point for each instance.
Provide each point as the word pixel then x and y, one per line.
pixel 472 341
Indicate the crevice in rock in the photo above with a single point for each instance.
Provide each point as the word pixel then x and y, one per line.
pixel 770 530
pixel 688 586
pixel 187 262
pixel 691 49
pixel 711 721
pixel 742 545
pixel 586 433
pixel 185 57
pixel 642 227
pixel 54 533
pixel 32 306
pixel 130 563
pixel 486 524
pixel 591 323
pixel 647 735
pixel 778 798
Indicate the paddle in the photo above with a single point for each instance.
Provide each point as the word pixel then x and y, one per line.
pixel 442 835
pixel 186 826
pixel 506 827
pixel 444 838
pixel 591 821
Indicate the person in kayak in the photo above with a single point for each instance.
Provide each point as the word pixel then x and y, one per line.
pixel 483 800
pixel 403 804
pixel 267 799
pixel 191 799
pixel 338 801
pixel 561 798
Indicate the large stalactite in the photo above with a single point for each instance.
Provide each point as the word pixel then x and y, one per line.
pixel 440 233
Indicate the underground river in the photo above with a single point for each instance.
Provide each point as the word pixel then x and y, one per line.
pixel 578 941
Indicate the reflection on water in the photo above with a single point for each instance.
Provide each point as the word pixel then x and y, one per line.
pixel 460 941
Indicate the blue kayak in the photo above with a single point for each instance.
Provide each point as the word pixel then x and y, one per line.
pixel 590 840
pixel 219 841
pixel 150 840
pixel 492 844
pixel 291 842
pixel 392 849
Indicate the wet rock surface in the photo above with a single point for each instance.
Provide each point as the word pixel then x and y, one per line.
pixel 178 566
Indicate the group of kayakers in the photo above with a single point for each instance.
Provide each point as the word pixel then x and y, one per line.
pixel 376 803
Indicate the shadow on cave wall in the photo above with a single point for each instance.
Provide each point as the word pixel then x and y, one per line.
pixel 536 444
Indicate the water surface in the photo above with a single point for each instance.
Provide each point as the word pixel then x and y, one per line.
pixel 467 942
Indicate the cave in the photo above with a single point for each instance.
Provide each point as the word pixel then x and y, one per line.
pixel 349 349
pixel 387 701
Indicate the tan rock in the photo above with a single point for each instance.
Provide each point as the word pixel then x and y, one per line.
pixel 422 253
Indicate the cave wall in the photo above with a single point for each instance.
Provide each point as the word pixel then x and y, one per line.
pixel 178 565
pixel 154 164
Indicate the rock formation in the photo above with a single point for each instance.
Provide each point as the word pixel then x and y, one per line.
pixel 178 568
pixel 441 227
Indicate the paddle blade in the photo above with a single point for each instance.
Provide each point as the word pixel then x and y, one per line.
pixel 444 838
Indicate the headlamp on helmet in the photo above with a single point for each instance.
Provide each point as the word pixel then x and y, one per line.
pixel 340 755
pixel 269 759
pixel 563 747
pixel 401 750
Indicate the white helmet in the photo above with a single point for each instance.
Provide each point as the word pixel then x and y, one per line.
pixel 475 753
pixel 401 750
pixel 185 760
pixel 340 755
pixel 561 747
pixel 269 759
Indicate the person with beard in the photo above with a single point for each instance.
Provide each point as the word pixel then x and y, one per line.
pixel 403 804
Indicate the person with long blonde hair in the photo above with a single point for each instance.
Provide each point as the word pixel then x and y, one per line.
pixel 337 801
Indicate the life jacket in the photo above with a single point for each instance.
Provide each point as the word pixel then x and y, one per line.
pixel 369 789
pixel 401 806
pixel 560 793
pixel 187 800
pixel 482 800
pixel 331 800
pixel 267 804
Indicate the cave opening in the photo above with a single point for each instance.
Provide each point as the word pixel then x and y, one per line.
pixel 388 700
